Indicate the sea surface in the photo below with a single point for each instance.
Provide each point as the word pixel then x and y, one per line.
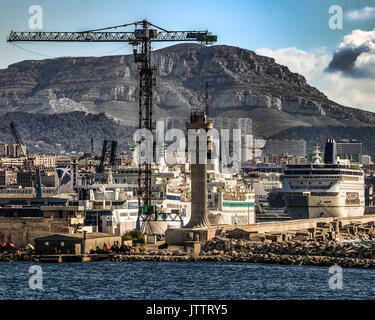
pixel 181 280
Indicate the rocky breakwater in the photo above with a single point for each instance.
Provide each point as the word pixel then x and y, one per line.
pixel 351 245
pixel 19 255
pixel 329 243
pixel 134 254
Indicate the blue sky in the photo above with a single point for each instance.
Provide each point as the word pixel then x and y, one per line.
pixel 269 26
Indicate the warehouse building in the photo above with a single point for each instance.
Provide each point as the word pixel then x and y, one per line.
pixel 73 243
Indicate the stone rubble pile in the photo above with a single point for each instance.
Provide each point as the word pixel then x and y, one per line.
pixel 17 256
pixel 222 246
pixel 346 244
pixel 323 231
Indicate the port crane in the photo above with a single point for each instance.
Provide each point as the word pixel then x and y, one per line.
pixel 109 148
pixel 143 35
pixel 253 148
pixel 17 139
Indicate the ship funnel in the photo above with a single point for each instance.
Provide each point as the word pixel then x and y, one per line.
pixel 330 155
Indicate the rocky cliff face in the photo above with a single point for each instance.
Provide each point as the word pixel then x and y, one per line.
pixel 242 84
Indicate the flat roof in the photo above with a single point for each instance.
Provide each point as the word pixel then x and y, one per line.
pixel 62 208
pixel 89 235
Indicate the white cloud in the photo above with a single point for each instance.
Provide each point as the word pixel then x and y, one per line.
pixel 306 63
pixel 355 55
pixel 362 14
pixel 359 38
pixel 351 92
pixel 365 65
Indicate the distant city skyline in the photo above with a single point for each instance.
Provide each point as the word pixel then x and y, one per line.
pixel 295 33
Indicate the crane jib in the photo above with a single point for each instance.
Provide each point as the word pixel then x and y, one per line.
pixel 139 34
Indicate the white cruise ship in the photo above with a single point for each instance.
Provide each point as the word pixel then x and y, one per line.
pixel 332 189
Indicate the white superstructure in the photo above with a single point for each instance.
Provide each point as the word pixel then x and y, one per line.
pixel 230 201
pixel 324 190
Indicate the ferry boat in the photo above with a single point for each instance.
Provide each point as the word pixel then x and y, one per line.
pixel 335 188
pixel 231 206
pixel 230 201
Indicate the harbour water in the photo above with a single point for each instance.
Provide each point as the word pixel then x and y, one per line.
pixel 174 280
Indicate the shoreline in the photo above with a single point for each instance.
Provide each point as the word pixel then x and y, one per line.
pixel 273 259
pixel 322 243
pixel 307 253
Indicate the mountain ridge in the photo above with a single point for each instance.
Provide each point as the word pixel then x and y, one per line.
pixel 241 84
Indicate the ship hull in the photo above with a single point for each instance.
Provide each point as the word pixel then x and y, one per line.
pixel 301 206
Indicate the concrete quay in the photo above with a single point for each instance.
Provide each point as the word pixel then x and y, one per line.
pixel 348 242
pixel 306 229
pixel 298 225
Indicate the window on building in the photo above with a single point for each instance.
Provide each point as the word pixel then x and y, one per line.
pixel 62 243
pixel 46 243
